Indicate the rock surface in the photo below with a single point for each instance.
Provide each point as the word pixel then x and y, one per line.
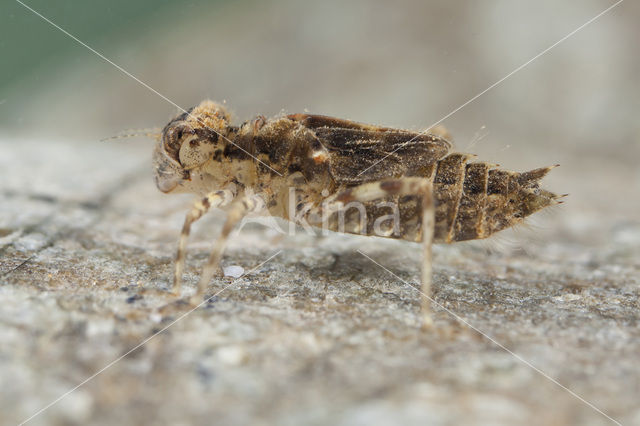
pixel 319 334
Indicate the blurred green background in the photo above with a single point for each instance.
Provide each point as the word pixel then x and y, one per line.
pixel 406 63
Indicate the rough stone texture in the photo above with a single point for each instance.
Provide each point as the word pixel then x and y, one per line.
pixel 317 335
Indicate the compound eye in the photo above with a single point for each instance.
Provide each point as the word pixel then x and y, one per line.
pixel 195 151
pixel 173 139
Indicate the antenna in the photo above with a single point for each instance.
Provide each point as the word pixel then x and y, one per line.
pixel 153 132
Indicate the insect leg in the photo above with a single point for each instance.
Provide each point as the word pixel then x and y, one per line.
pixel 423 188
pixel 398 188
pixel 236 212
pixel 428 226
pixel 200 207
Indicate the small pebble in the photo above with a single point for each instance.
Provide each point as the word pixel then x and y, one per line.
pixel 232 355
pixel 234 271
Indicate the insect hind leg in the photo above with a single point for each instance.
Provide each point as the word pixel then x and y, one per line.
pixel 424 189
pixel 384 190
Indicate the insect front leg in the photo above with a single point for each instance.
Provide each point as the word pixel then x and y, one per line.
pixel 199 209
pixel 235 213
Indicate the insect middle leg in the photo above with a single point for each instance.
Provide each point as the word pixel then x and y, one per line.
pixel 398 188
pixel 235 213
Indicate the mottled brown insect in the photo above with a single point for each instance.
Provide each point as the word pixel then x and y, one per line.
pixel 310 169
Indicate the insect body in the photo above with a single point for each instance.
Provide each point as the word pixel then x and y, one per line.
pixel 327 172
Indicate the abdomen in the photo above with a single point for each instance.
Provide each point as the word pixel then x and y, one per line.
pixel 472 200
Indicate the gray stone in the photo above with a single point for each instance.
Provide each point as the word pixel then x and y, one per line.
pixel 317 335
